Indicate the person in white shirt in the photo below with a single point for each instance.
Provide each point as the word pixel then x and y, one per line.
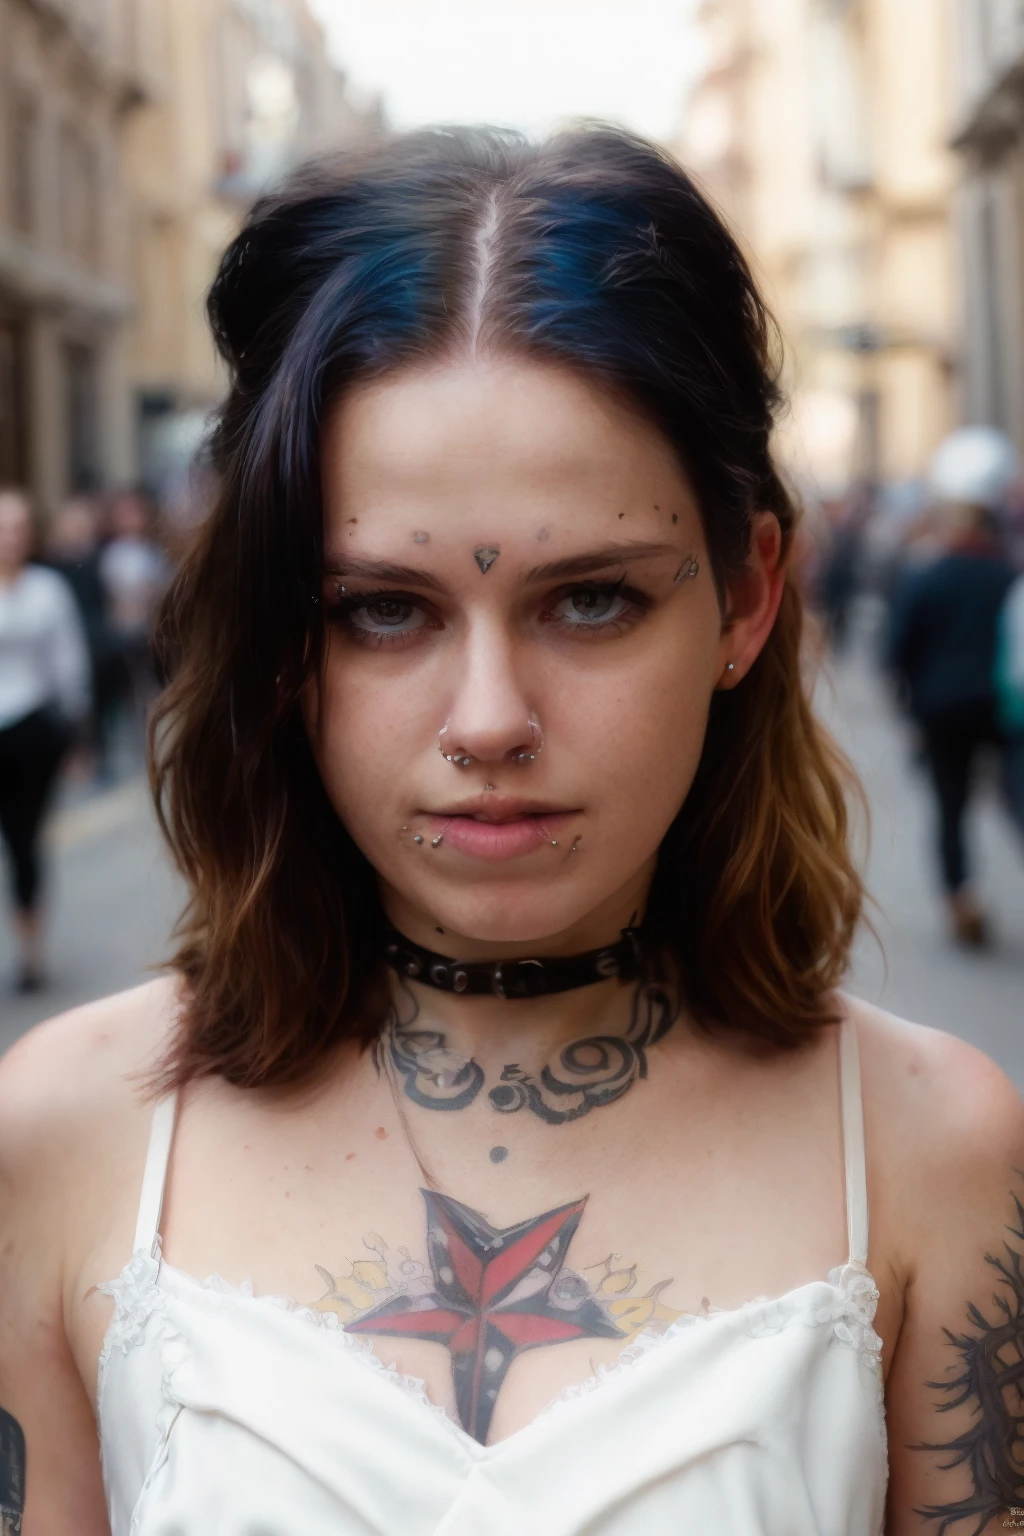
pixel 44 694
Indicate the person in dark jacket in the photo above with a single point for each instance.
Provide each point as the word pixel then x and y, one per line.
pixel 942 645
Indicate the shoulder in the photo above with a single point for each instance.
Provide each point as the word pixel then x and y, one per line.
pixel 69 1084
pixel 944 1125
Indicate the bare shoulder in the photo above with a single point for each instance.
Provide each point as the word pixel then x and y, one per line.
pixel 66 1080
pixel 944 1123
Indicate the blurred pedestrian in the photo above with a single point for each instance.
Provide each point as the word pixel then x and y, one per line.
pixel 134 572
pixel 44 694
pixel 841 570
pixel 943 644
pixel 73 549
pixel 1010 694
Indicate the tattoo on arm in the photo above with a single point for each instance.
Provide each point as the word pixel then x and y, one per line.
pixel 589 1073
pixel 489 1294
pixel 991 1379
pixel 12 1475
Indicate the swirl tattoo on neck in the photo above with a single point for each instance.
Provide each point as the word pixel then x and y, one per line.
pixel 589 1073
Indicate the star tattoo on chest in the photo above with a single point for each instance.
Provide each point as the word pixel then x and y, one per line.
pixel 495 1294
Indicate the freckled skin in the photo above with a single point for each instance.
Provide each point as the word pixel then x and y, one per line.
pixel 472 452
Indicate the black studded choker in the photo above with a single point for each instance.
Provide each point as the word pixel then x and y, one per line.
pixel 514 978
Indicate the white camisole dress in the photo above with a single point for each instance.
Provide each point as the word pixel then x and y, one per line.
pixel 222 1411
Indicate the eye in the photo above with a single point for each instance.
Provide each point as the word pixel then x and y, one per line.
pixel 591 604
pixel 382 618
pixel 387 614
pixel 597 609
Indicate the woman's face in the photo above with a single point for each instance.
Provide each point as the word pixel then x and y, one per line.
pixel 515 573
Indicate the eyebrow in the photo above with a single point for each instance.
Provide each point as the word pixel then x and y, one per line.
pixel 597 560
pixel 377 570
pixel 572 565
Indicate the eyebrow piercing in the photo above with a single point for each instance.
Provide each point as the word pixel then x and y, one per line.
pixel 485 558
pixel 687 570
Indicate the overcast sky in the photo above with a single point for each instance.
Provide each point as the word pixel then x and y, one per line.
pixel 522 62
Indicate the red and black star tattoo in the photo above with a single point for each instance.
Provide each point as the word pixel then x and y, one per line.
pixel 494 1296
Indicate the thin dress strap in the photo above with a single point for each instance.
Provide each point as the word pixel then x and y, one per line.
pixel 154 1176
pixel 853 1142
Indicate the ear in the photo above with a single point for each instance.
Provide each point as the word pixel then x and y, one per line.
pixel 753 596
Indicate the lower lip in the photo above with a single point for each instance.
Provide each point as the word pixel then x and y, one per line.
pixel 501 839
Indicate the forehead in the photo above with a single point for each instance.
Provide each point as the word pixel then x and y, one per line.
pixel 505 438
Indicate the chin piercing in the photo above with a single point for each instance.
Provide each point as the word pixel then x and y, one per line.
pixel 575 841
pixel 438 840
pixel 554 843
pixel 417 838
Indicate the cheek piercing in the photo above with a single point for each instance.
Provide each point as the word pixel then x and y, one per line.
pixel 688 570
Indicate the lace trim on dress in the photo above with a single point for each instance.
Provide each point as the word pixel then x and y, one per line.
pixel 851 1314
pixel 138 1296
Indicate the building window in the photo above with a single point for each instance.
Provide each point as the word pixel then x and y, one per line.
pixel 81 417
pixel 12 398
pixel 79 203
pixel 23 124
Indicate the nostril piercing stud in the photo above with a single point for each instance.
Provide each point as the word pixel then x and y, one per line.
pixel 730 666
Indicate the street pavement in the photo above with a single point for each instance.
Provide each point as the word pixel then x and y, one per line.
pixel 115 897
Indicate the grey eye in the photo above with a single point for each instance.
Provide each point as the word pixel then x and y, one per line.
pixel 389 612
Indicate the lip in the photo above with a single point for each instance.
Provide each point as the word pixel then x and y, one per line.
pixel 509 832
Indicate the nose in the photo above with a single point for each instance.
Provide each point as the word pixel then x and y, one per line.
pixel 490 715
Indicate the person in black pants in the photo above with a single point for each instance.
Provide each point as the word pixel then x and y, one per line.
pixel 942 645
pixel 44 692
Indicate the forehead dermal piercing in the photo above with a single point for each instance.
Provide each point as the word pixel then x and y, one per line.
pixel 485 558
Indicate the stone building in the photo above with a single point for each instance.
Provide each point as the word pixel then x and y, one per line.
pixel 989 133
pixel 72 73
pixel 247 89
pixel 821 127
pixel 132 135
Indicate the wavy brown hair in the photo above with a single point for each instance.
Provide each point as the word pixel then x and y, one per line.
pixel 594 250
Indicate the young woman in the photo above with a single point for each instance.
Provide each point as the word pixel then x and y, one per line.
pixel 502 1078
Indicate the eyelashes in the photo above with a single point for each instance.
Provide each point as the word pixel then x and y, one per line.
pixel 586 610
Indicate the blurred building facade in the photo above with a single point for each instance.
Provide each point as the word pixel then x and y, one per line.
pixel 989 133
pixel 821 128
pixel 247 90
pixel 72 73
pixel 133 133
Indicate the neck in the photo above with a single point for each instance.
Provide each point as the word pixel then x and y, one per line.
pixel 495 1031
